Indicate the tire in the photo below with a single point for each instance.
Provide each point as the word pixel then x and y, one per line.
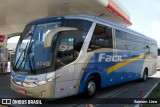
pixel 91 87
pixel 145 75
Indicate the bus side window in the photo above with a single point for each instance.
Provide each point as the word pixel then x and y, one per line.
pixel 120 39
pixel 65 52
pixel 158 52
pixel 131 42
pixel 70 46
pixel 101 38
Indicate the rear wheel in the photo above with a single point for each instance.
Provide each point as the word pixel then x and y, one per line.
pixel 145 75
pixel 91 87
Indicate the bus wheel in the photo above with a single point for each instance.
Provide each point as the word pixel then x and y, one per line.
pixel 91 87
pixel 145 75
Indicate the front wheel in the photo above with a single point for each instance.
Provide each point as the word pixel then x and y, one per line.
pixel 91 87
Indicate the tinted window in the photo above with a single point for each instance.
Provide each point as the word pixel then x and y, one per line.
pixel 69 47
pixel 38 45
pixel 120 39
pixel 77 23
pixel 131 42
pixel 102 38
pixel 158 52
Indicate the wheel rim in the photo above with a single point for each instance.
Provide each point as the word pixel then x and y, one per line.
pixel 91 87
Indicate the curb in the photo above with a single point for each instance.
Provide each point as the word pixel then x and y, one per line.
pixel 5 73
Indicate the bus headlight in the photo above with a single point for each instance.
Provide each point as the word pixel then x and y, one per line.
pixel 42 82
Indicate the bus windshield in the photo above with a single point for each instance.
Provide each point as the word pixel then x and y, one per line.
pixel 31 55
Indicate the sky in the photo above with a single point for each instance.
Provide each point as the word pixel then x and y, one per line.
pixel 13 39
pixel 145 16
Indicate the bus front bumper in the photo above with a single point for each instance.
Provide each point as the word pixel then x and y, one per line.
pixel 43 91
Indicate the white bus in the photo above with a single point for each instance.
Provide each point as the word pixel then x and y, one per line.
pixel 67 55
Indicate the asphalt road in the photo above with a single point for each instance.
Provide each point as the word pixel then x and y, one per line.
pixel 128 90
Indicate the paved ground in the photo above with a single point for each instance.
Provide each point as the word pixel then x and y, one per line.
pixel 127 90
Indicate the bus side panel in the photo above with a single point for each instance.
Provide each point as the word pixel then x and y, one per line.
pixel 123 71
pixel 128 72
pixel 151 64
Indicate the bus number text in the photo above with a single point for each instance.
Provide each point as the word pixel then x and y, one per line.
pixel 43 63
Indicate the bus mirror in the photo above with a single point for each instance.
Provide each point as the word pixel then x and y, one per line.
pixel 52 32
pixel 147 47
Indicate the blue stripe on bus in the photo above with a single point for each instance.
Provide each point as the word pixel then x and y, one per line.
pixel 20 77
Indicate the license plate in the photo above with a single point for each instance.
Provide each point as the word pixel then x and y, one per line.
pixel 22 91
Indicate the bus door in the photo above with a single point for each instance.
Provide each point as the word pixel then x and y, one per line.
pixel 68 47
pixel 68 50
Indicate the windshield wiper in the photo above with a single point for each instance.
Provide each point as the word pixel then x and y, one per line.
pixel 30 64
pixel 23 51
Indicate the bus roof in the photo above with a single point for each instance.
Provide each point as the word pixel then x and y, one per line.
pixel 90 18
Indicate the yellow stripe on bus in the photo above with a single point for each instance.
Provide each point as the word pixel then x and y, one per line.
pixel 119 65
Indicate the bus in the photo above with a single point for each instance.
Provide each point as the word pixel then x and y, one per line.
pixel 73 54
